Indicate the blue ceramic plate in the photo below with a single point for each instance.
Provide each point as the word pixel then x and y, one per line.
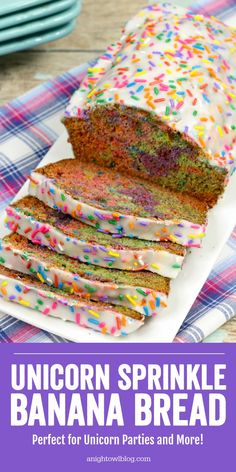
pixel 16 5
pixel 40 25
pixel 31 14
pixel 36 39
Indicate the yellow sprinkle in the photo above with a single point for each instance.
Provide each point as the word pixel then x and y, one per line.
pixel 199 127
pixel 96 69
pixel 195 73
pixel 232 95
pixel 90 94
pixel 40 277
pixel 194 236
pixel 198 17
pixel 131 300
pixel 94 313
pixel 173 238
pixel 155 266
pixel 114 254
pixel 24 302
pixel 139 73
pixel 4 284
pixel 220 130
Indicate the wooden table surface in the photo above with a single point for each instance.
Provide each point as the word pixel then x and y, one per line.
pixel 99 24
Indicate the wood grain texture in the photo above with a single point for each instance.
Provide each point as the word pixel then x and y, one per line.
pixel 99 23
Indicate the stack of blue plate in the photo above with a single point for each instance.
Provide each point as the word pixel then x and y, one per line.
pixel 28 23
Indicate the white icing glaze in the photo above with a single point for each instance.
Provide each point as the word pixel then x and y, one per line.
pixel 145 301
pixel 89 315
pixel 178 231
pixel 164 48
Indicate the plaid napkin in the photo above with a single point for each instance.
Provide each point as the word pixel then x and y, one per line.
pixel 30 124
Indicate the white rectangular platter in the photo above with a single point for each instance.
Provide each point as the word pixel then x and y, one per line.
pixel 184 289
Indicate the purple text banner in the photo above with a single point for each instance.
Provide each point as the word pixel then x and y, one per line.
pixel 92 407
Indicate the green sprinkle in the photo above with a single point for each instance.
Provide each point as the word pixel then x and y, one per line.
pixel 156 90
pixel 110 264
pixel 101 101
pixel 90 289
pixel 32 270
pixel 40 302
pixel 63 197
pixel 97 225
pixel 121 297
pixel 25 257
pixel 195 113
pixel 112 222
pixel 2 260
pixel 86 258
pixel 167 112
pixel 90 217
pixel 233 127
pixel 139 290
pixel 134 97
pixel 176 266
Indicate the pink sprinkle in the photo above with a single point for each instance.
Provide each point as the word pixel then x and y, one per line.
pixel 113 329
pixel 179 105
pixel 43 229
pixel 46 311
pixel 78 321
pixel 163 87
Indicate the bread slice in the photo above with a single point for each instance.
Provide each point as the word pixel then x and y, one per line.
pixel 144 292
pixel 117 204
pixel 20 288
pixel 43 225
